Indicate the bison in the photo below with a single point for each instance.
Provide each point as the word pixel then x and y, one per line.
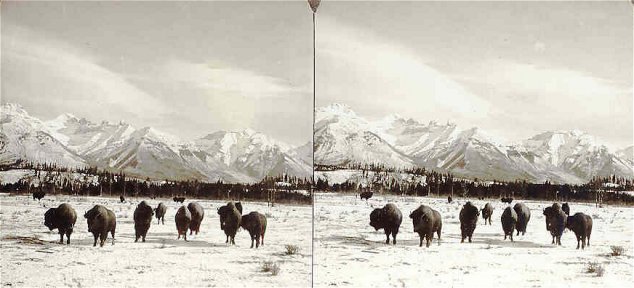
pixel 142 220
pixel 101 221
pixel 468 220
pixel 555 222
pixel 426 222
pixel 121 199
pixel 449 199
pixel 63 219
pixel 182 218
pixel 487 213
pixel 198 213
pixel 365 195
pixel 523 216
pixel 388 218
pixel 230 221
pixel 581 224
pixel 179 199
pixel 509 221
pixel 239 207
pixel 38 195
pixel 160 211
pixel 255 223
pixel 566 208
pixel 507 200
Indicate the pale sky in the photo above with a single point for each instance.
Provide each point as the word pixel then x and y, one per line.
pixel 185 68
pixel 514 69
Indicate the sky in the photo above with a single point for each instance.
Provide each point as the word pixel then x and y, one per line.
pixel 513 69
pixel 184 68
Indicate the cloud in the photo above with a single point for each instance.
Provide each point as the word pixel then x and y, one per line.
pixel 52 73
pixel 230 82
pixel 360 69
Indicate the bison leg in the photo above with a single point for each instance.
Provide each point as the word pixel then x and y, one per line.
pixel 394 237
pixel 429 238
pixel 511 237
pixel 102 239
pixel 227 241
pixel 387 236
pixel 588 239
pixel 185 235
pixel 578 240
pixel 470 238
pixel 68 232
pixel 583 243
pixel 505 235
pixel 96 236
pixel 421 241
pixel 163 219
pixel 257 241
pixel 61 237
pixel 252 240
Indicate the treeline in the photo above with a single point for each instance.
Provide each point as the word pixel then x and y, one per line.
pixel 431 183
pixel 91 181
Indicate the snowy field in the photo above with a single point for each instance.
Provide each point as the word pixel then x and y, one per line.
pixel 31 256
pixel 348 252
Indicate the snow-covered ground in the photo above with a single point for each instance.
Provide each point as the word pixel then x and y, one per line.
pixel 348 252
pixel 31 256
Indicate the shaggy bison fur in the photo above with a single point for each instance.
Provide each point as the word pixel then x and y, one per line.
pixel 566 208
pixel 230 221
pixel 142 220
pixel 509 221
pixel 255 223
pixel 160 211
pixel 182 218
pixel 581 224
pixel 388 218
pixel 468 220
pixel 101 221
pixel 198 213
pixel 523 216
pixel 63 219
pixel 487 213
pixel 555 222
pixel 426 222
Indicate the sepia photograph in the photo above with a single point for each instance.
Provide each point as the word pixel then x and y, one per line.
pixel 156 144
pixel 473 144
pixel 316 143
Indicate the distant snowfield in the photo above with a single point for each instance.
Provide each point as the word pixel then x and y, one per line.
pixel 349 253
pixel 159 262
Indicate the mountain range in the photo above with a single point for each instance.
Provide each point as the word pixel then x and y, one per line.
pixel 342 137
pixel 243 156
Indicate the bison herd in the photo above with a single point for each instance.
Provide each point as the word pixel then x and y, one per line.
pixel 427 221
pixel 103 221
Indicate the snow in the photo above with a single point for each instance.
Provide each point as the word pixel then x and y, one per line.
pixel 159 262
pixel 13 176
pixel 349 253
pixel 573 157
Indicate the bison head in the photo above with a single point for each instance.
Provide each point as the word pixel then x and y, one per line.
pixel 49 219
pixel 376 219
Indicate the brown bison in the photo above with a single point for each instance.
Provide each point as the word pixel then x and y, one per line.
pixel 581 224
pixel 101 221
pixel 198 213
pixel 182 218
pixel 142 220
pixel 160 211
pixel 63 219
pixel 229 221
pixel 555 222
pixel 468 220
pixel 366 195
pixel 523 216
pixel 388 218
pixel 509 221
pixel 487 213
pixel 255 223
pixel 426 222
